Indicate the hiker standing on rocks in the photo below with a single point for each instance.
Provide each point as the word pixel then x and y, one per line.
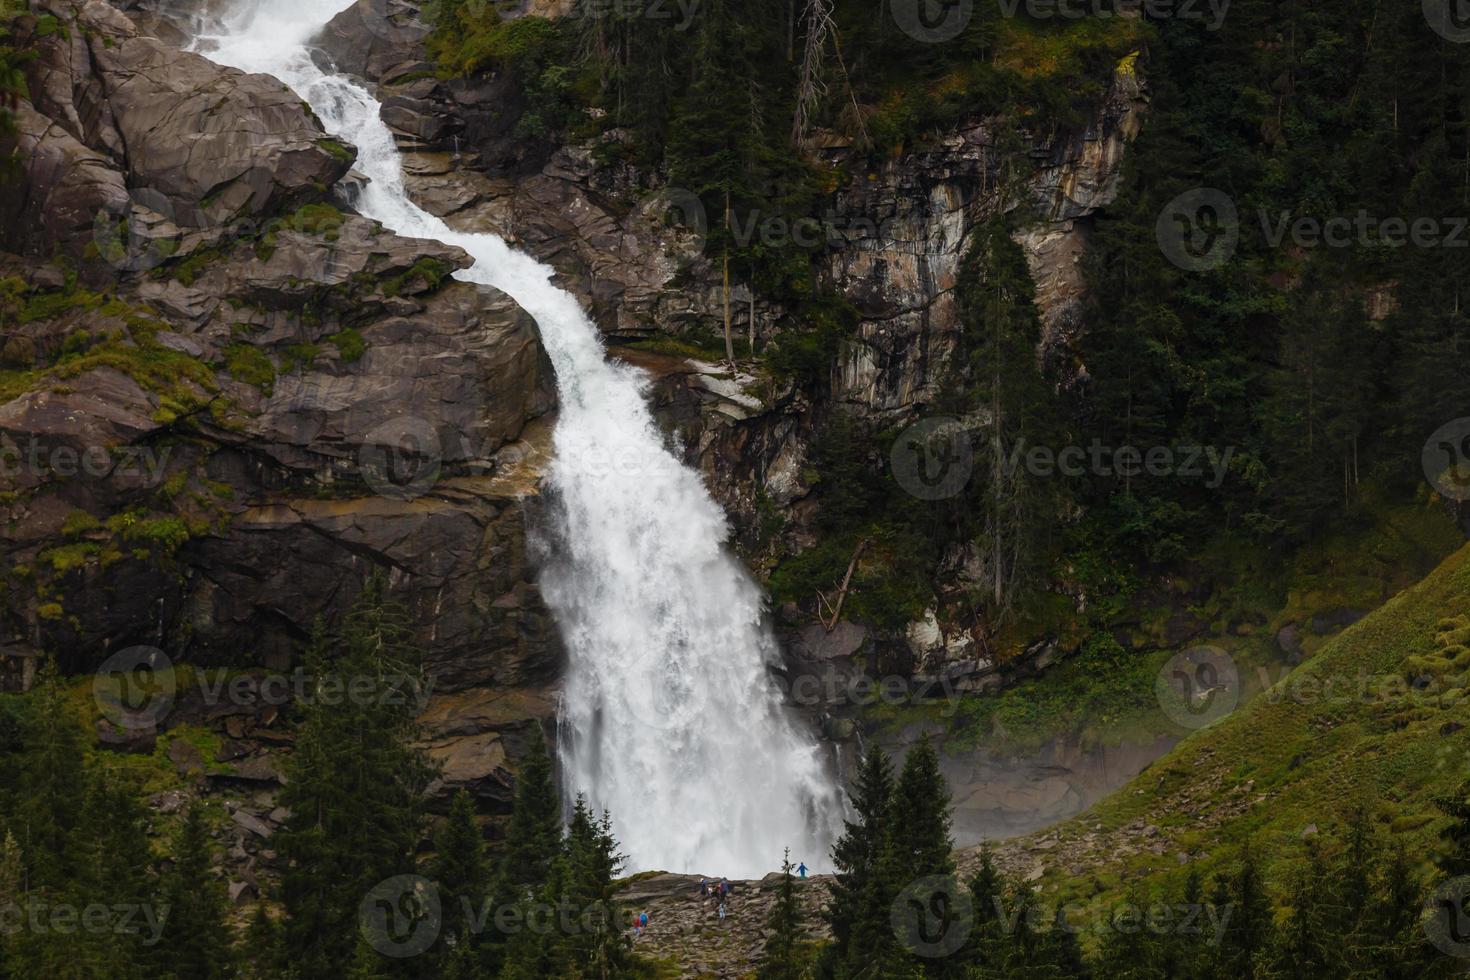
pixel 801 869
pixel 722 910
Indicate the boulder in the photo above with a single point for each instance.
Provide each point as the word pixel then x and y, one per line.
pixel 124 130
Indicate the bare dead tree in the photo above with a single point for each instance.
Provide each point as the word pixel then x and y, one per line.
pixel 729 341
pixel 811 89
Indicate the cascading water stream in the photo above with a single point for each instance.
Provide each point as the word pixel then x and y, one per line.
pixel 669 718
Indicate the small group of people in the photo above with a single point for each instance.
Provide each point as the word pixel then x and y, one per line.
pixel 719 890
pixel 640 923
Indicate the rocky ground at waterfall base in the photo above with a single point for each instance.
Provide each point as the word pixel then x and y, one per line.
pixel 686 935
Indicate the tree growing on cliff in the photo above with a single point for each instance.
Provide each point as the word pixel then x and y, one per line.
pixel 1000 376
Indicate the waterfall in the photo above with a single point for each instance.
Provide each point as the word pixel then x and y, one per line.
pixel 669 717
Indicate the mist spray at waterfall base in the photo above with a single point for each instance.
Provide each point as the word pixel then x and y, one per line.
pixel 669 718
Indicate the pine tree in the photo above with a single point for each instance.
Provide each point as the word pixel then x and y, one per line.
pixel 534 837
pixel 260 948
pixel 1000 375
pixel 462 872
pixel 594 945
pixel 196 940
pixel 1247 936
pixel 988 890
pixel 356 781
pixel 863 889
pixel 12 877
pixel 781 959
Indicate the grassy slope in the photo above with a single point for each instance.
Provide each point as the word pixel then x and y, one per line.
pixel 1283 762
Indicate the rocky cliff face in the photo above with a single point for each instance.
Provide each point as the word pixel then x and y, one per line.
pixel 225 401
pixel 195 296
pixel 895 234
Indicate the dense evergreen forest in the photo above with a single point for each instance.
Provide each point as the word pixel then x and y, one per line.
pixel 88 895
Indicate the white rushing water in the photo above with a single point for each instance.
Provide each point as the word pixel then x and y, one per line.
pixel 669 719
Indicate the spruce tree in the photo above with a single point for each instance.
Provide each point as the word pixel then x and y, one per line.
pixel 462 872
pixel 920 847
pixel 594 944
pixel 1454 859
pixel 921 843
pixel 12 877
pixel 196 939
pixel 988 890
pixel 1247 936
pixel 356 781
pixel 260 951
pixel 1311 940
pixel 46 817
pixel 999 374
pixel 781 959
pixel 863 888
pixel 534 837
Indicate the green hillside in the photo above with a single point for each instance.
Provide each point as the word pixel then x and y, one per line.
pixel 1344 729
